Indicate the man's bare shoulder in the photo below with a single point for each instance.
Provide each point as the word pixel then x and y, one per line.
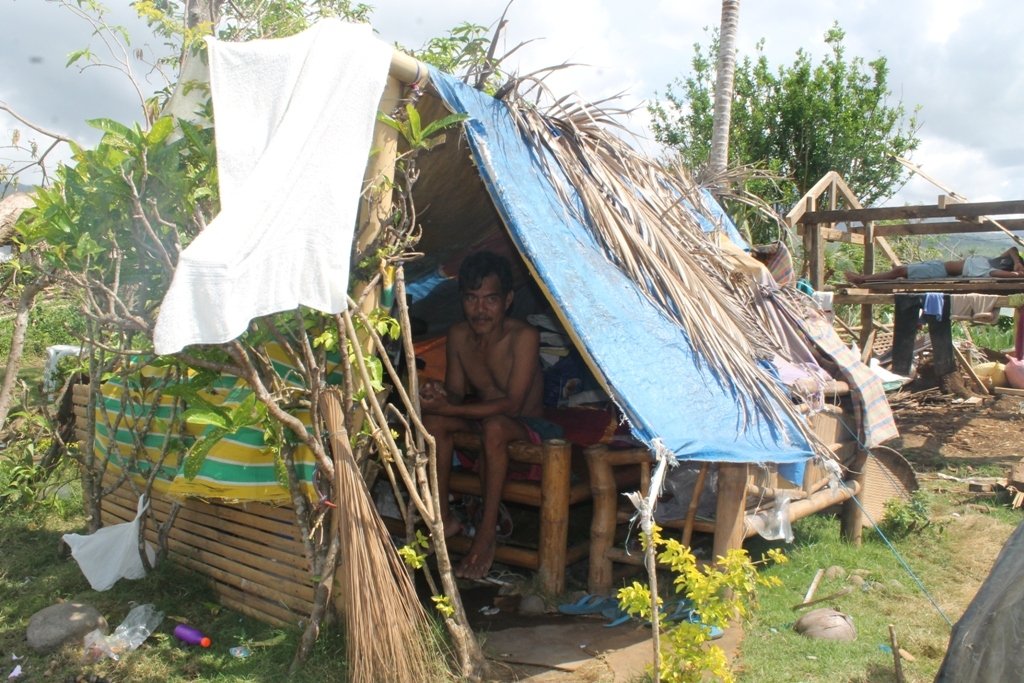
pixel 518 327
pixel 459 331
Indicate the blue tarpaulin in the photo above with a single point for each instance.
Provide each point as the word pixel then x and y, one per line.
pixel 644 359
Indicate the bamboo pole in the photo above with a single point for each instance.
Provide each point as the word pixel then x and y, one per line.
pixel 729 516
pixel 603 521
pixel 691 510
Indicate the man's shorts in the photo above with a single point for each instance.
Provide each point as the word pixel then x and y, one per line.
pixel 926 270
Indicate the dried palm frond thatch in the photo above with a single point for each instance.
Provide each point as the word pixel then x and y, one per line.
pixel 642 215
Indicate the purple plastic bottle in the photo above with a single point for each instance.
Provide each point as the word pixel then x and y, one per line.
pixel 190 635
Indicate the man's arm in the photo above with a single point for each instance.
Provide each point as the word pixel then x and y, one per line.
pixel 1018 264
pixel 454 375
pixel 1007 273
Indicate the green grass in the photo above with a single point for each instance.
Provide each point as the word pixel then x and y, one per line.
pixel 34 575
pixel 951 557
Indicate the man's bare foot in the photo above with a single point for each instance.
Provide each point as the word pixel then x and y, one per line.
pixel 478 560
pixel 452 526
pixel 855 278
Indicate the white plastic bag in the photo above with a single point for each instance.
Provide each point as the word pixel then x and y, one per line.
pixel 111 553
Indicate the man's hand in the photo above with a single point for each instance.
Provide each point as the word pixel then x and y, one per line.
pixel 431 389
pixel 433 397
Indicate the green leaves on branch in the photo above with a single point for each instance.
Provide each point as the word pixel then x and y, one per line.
pixel 121 213
pixel 415 134
pixel 800 120
pixel 220 422
pixel 717 592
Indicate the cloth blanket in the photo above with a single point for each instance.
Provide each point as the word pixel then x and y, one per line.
pixel 294 118
pixel 871 409
pixel 979 308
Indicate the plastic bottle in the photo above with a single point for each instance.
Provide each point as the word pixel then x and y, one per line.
pixel 140 622
pixel 191 635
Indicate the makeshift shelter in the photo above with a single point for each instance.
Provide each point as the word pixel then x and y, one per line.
pixel 985 643
pixel 680 328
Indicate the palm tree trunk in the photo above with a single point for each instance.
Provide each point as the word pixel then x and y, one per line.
pixel 724 87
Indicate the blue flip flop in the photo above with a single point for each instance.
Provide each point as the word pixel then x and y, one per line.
pixel 714 632
pixel 588 604
pixel 616 614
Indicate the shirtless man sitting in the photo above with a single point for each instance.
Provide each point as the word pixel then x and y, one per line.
pixel 1007 264
pixel 495 360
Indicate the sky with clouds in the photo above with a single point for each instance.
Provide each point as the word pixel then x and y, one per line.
pixel 961 61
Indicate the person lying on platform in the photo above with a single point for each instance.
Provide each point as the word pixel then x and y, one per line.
pixel 492 385
pixel 1007 264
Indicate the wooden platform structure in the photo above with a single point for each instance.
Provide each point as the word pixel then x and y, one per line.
pixel 818 226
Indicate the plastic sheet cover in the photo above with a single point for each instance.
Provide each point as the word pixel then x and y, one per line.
pixel 644 359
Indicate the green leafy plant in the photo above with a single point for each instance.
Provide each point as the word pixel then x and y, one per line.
pixel 220 422
pixel 413 553
pixel 796 121
pixel 905 516
pixel 718 593
pixel 415 134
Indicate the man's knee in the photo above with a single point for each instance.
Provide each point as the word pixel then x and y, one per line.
pixel 498 430
pixel 436 425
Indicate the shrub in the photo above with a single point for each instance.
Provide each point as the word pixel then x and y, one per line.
pixel 903 517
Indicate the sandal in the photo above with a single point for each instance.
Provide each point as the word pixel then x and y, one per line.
pixel 589 604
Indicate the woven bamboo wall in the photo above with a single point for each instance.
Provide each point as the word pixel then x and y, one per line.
pixel 251 553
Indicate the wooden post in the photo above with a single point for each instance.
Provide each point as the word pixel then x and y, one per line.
pixel 897 664
pixel 602 525
pixel 866 311
pixel 1018 337
pixel 691 511
pixel 852 523
pixel 809 250
pixel 556 471
pixel 378 181
pixel 729 511
pixel 818 257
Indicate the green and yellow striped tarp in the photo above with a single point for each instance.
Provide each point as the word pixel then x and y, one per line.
pixel 144 421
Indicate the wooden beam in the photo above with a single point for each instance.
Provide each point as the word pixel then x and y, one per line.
pixel 864 297
pixel 941 227
pixel 867 312
pixel 950 285
pixel 881 213
pixel 806 203
pixel 834 235
pixel 851 521
pixel 817 256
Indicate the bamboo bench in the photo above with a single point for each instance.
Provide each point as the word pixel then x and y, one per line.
pixel 554 495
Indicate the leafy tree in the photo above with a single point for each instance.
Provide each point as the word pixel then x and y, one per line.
pixel 798 121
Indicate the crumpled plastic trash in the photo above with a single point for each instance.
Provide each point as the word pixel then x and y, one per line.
pixel 140 622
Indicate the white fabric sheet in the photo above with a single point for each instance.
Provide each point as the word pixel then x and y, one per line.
pixel 294 121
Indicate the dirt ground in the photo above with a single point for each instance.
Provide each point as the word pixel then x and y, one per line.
pixel 942 432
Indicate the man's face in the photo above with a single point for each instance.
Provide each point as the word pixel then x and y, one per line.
pixel 485 306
